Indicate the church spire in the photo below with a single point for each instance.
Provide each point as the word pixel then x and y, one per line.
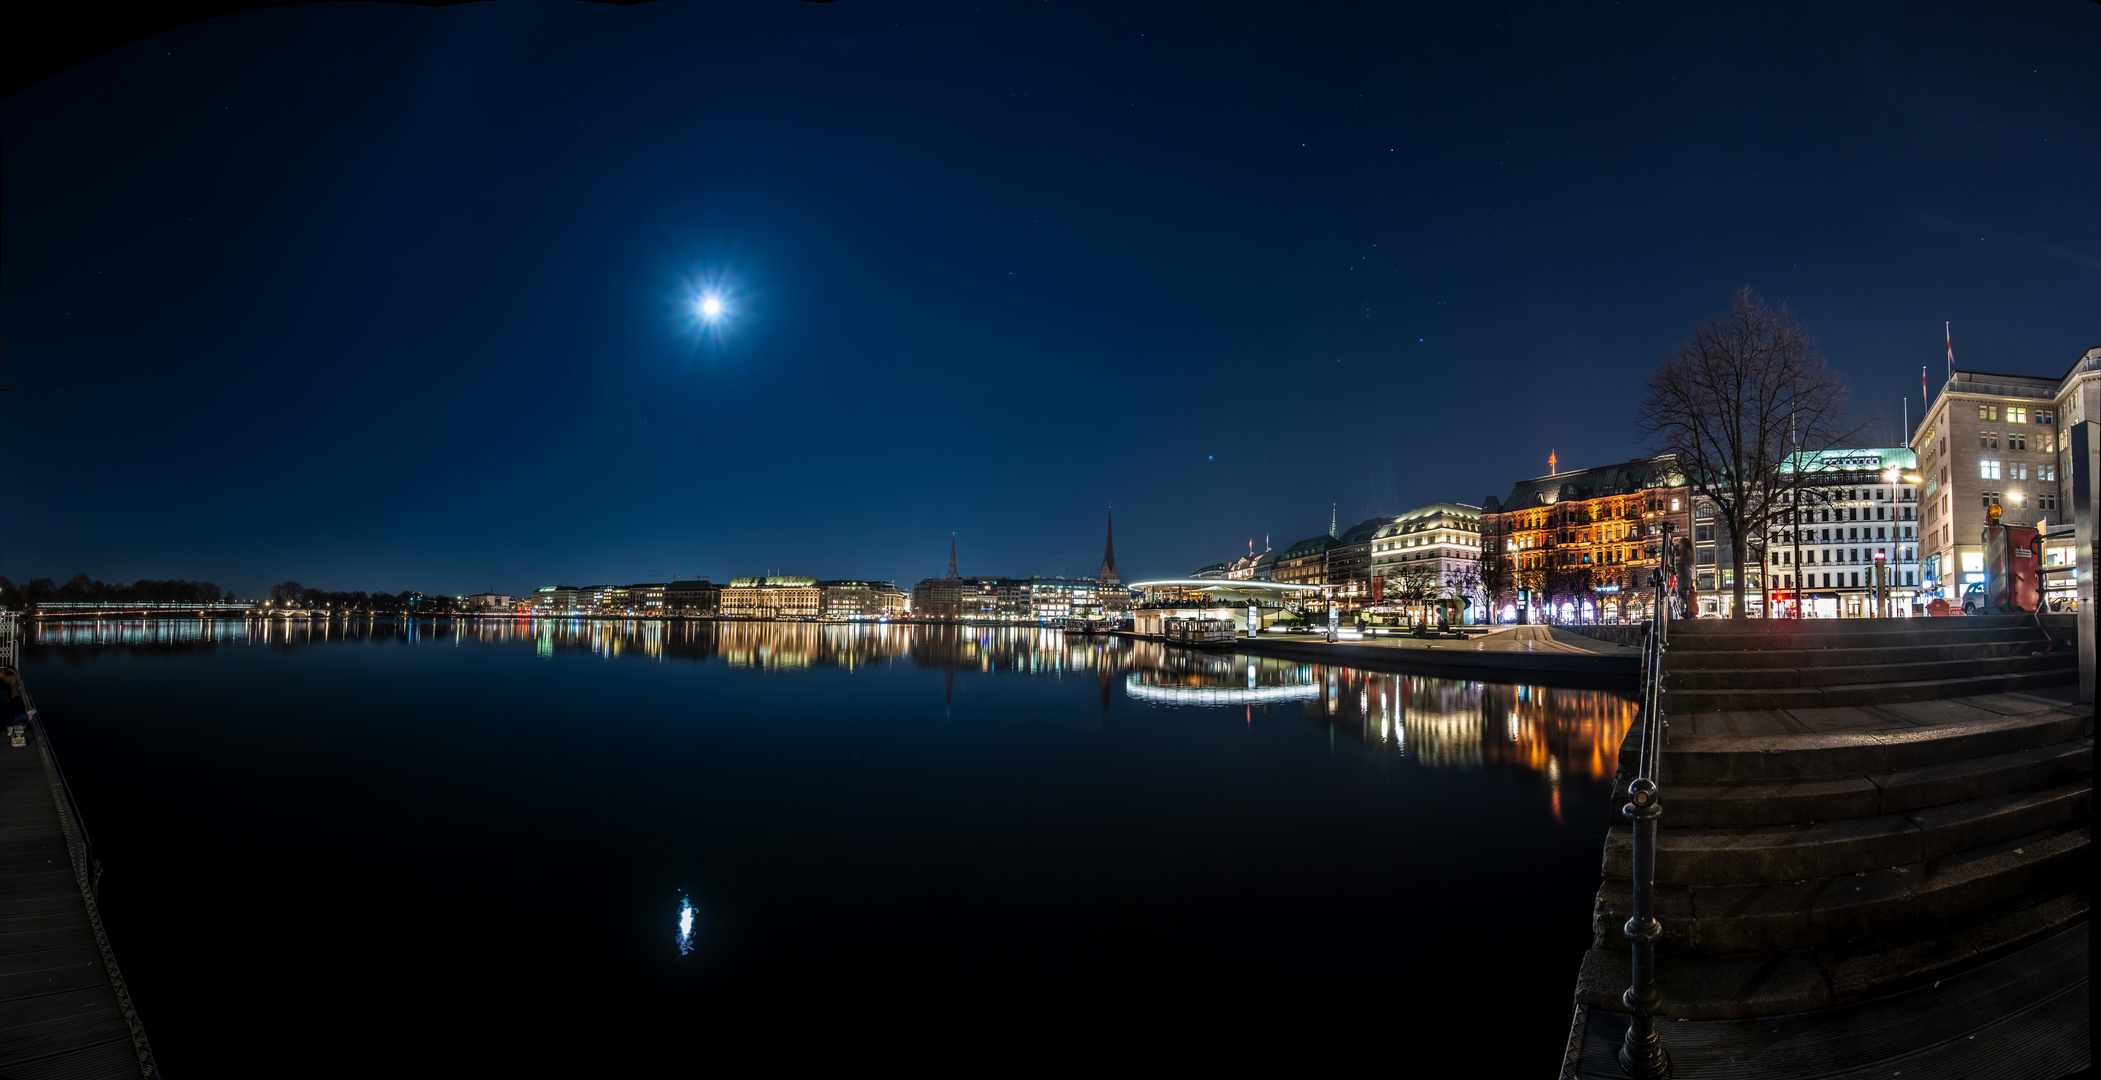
pixel 1331 520
pixel 952 575
pixel 1109 555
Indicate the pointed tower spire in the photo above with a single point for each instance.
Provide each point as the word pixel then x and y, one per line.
pixel 1108 574
pixel 1331 520
pixel 952 575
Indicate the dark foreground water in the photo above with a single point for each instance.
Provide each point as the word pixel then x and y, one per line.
pixel 379 849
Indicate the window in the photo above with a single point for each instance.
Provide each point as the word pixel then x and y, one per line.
pixel 1989 497
pixel 2046 502
pixel 1987 412
pixel 1706 557
pixel 2016 441
pixel 1703 534
pixel 2015 414
pixel 1988 440
pixel 2042 416
pixel 1987 469
pixel 2046 472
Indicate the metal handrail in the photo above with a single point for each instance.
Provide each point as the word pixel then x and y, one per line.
pixel 1642 1054
pixel 65 790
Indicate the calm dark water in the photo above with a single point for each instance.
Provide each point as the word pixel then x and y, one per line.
pixel 380 848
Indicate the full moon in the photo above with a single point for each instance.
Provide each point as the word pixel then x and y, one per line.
pixel 711 306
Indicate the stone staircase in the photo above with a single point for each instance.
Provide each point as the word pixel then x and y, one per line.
pixel 1853 808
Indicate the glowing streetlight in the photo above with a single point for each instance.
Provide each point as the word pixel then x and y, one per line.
pixel 711 307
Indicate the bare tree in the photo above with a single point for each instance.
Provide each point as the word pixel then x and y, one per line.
pixel 1412 583
pixel 1494 576
pixel 1747 390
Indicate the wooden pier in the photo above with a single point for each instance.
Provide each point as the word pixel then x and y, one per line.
pixel 64 1011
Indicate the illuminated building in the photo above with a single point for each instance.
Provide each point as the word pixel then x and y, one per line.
pixel 1998 438
pixel 1253 566
pixel 1443 539
pixel 693 599
pixel 952 596
pixel 1348 577
pixel 1031 599
pixel 1856 504
pixel 1306 562
pixel 855 600
pixel 1110 592
pixel 554 600
pixel 646 599
pixel 1582 542
pixel 772 598
pixel 487 601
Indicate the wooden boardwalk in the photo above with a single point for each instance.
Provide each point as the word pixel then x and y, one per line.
pixel 63 1009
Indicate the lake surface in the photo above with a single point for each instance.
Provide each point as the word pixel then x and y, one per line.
pixel 531 846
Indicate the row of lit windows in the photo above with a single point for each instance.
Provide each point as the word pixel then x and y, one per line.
pixel 1844 555
pixel 2015 414
pixel 1788 581
pixel 2014 470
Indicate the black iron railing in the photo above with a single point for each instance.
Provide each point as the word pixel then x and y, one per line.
pixel 76 829
pixel 1642 1055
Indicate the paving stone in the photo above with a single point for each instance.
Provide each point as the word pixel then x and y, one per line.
pixel 1695 806
pixel 1942 711
pixel 2020 702
pixel 1793 915
pixel 1761 722
pixel 1848 718
pixel 1782 853
pixel 1981 822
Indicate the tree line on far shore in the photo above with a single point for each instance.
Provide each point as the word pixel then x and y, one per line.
pixel 84 589
pixel 293 594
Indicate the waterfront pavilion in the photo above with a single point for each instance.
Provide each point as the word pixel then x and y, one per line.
pixel 1213 598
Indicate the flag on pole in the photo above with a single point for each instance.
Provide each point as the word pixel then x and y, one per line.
pixel 1949 327
pixel 1923 395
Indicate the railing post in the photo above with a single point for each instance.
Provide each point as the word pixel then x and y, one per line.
pixel 1642 1054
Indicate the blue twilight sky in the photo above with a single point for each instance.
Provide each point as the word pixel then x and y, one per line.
pixel 378 296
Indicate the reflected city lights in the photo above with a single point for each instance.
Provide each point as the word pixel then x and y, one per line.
pixel 1560 735
pixel 685 925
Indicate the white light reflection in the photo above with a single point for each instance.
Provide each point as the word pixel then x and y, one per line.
pixel 685 925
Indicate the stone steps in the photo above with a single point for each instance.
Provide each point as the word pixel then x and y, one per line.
pixel 1730 986
pixel 1851 809
pixel 1738 804
pixel 1778 916
pixel 1772 629
pixel 1762 854
pixel 1820 676
pixel 1684 658
pixel 1815 697
pixel 1696 759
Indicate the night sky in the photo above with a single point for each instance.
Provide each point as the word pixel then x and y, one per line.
pixel 381 297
